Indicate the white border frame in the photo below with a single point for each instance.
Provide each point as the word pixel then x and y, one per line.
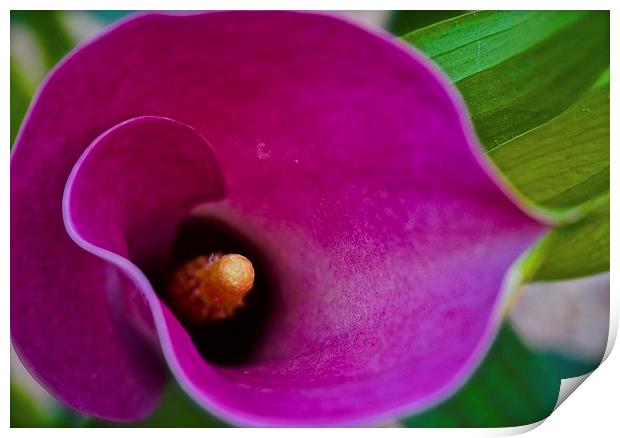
pixel 592 409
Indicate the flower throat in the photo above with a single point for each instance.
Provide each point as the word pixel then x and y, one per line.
pixel 221 287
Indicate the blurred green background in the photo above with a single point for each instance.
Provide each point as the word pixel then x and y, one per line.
pixel 556 329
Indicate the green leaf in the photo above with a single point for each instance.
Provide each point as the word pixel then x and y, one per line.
pixel 402 22
pixel 25 412
pixel 176 409
pixel 578 249
pixel 565 161
pixel 568 367
pixel 50 33
pixel 514 386
pixel 518 69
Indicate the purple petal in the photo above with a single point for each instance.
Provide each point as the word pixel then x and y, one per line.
pixel 345 155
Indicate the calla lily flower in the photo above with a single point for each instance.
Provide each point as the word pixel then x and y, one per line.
pixel 341 162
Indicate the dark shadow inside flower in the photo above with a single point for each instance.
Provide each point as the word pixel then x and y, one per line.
pixel 229 341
